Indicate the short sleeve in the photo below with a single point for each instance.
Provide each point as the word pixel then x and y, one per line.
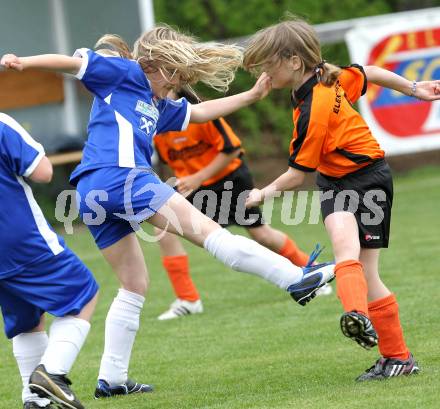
pixel 353 81
pixel 221 135
pixel 100 74
pixel 173 115
pixel 18 148
pixel 306 147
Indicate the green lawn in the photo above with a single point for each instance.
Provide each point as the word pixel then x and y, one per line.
pixel 254 348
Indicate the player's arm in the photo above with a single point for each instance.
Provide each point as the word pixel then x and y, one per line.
pixel 209 110
pixel 43 172
pixel 187 184
pixel 289 180
pixel 51 62
pixel 425 90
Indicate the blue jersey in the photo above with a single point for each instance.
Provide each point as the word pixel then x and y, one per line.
pixel 125 115
pixel 25 236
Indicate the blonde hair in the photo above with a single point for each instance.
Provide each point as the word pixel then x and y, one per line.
pixel 293 37
pixel 169 50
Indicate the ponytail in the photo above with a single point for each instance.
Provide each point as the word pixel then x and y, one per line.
pixel 165 48
pixel 327 73
pixel 114 45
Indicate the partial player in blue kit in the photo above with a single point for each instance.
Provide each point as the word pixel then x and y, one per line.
pixel 38 274
pixel 119 190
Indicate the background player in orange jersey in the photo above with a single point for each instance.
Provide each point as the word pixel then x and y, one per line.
pixel 355 182
pixel 207 160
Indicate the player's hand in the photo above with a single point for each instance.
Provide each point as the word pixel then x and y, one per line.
pixel 187 184
pixel 262 87
pixel 428 90
pixel 255 198
pixel 12 62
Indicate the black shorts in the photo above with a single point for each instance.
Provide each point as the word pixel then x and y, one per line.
pixel 224 201
pixel 368 194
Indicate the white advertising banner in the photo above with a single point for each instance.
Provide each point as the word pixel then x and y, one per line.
pixel 410 47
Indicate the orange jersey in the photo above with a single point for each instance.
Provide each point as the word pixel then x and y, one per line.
pixel 189 151
pixel 330 136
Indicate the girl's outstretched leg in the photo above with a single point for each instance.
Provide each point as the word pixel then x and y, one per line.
pixel 240 253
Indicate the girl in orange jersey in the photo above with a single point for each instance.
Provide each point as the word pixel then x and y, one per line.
pixel 207 160
pixel 355 181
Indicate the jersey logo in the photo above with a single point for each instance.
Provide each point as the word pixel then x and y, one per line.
pixel 147 125
pixel 188 152
pixel 147 110
pixel 338 98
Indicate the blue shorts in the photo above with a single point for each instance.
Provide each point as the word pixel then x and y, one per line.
pixel 60 285
pixel 114 201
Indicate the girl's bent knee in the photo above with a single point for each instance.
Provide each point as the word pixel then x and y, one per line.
pixel 138 287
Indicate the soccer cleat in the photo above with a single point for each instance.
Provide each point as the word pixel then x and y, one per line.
pixel 358 327
pixel 314 277
pixel 34 405
pixel 53 387
pixel 104 390
pixel 385 368
pixel 180 307
pixel 326 289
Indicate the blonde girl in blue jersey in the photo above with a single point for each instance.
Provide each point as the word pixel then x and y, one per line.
pixel 115 176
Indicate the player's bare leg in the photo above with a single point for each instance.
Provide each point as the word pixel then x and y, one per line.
pixel 351 284
pixel 122 322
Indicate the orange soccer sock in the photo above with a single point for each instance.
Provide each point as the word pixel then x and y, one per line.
pixel 351 286
pixel 293 253
pixel 384 315
pixel 177 268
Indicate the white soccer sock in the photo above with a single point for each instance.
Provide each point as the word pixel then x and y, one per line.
pixel 28 349
pixel 66 338
pixel 121 327
pixel 243 254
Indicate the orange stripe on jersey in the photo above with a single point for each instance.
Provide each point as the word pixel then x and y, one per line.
pixel 329 134
pixel 189 151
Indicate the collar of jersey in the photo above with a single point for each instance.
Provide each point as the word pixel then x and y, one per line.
pixel 304 90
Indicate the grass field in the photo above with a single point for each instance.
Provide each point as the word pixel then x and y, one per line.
pixel 254 347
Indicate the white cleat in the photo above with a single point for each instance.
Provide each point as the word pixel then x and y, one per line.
pixel 179 308
pixel 314 277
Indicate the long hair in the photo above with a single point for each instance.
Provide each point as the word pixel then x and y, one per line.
pixel 169 50
pixel 189 95
pixel 293 37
